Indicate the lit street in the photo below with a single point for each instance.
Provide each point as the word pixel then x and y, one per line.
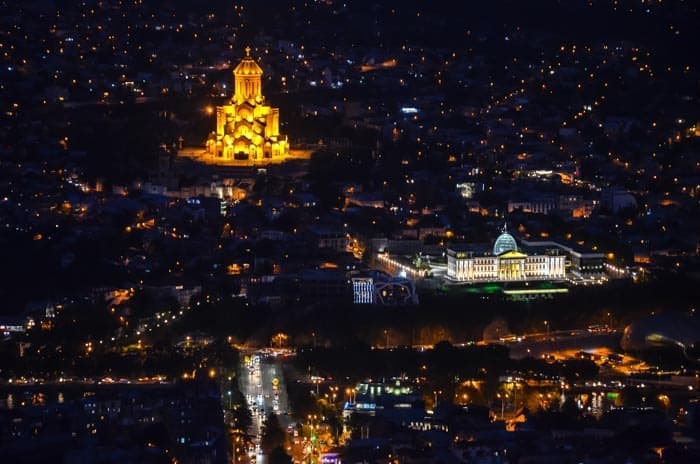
pixel 262 383
pixel 335 232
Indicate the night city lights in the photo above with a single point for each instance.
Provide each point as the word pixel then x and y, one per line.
pixel 325 232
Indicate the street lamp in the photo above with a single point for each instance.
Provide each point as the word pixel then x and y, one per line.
pixel 235 449
pixel 546 326
pixel 229 399
pixel 350 392
pixel 435 398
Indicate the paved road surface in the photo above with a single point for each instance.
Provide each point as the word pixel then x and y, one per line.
pixel 263 397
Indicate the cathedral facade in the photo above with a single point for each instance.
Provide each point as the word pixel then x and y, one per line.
pixel 247 130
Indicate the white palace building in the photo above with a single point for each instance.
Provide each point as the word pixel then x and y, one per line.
pixel 506 263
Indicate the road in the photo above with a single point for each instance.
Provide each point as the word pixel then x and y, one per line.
pixel 262 382
pixel 567 340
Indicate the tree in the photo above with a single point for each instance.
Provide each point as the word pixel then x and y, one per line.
pixel 629 397
pixel 273 435
pixel 569 410
pixel 335 424
pixel 279 456
pixel 359 423
pixel 240 415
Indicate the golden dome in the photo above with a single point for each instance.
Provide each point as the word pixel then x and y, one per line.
pixel 247 66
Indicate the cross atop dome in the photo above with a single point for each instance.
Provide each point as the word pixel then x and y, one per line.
pixel 504 242
pixel 248 73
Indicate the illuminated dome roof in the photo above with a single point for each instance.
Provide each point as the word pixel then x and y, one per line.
pixel 504 242
pixel 248 66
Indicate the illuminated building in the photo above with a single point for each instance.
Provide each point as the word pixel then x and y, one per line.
pixel 581 263
pixel 505 263
pixel 395 400
pixel 659 331
pixel 534 206
pixel 379 288
pixel 363 290
pixel 247 130
pixel 13 326
pixel 329 238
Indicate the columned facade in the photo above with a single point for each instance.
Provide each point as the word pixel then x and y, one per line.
pixel 509 265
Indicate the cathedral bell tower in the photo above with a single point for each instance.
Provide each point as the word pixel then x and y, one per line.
pixel 248 80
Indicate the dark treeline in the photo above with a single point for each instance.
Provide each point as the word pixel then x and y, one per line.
pixel 462 317
pixel 445 361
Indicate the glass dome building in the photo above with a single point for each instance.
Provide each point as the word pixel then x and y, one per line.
pixel 506 264
pixel 504 242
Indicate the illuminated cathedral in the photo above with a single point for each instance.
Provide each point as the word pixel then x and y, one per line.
pixel 247 130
